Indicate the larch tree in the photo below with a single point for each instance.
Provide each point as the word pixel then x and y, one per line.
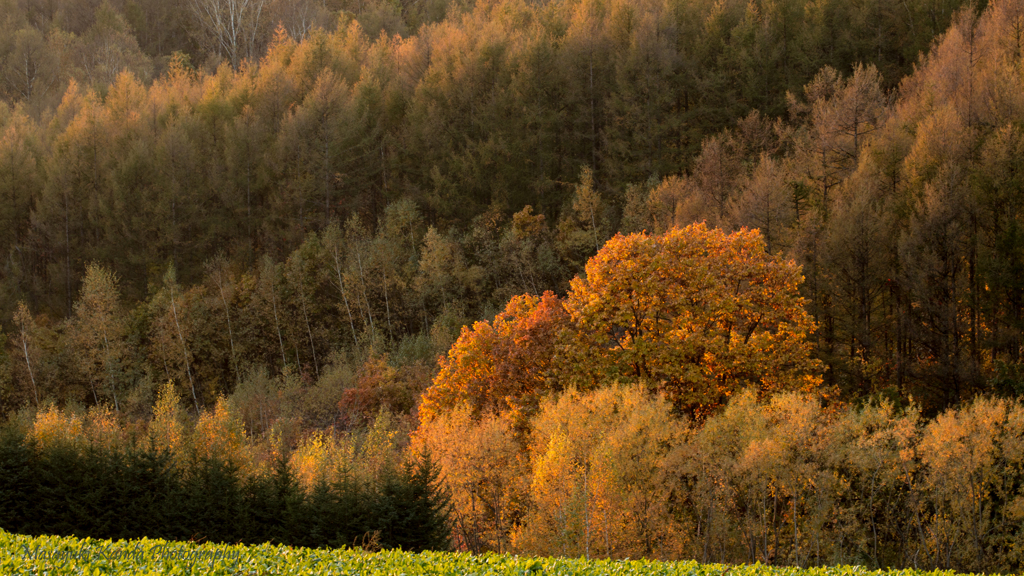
pixel 765 202
pixel 639 138
pixel 99 329
pixel 75 173
pixel 715 172
pixel 21 176
pixel 857 276
pixel 842 114
pixel 247 143
pixel 1001 254
pixel 587 68
pixel 311 150
pixel 582 231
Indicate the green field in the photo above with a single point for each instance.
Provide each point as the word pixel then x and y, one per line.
pixel 51 555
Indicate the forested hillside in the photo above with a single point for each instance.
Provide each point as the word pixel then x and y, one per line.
pixel 370 177
pixel 738 281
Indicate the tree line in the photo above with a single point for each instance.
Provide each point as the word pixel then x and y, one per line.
pixel 612 472
pixel 87 475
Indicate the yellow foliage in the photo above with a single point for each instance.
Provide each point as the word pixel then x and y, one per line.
pixel 970 458
pixel 317 458
pixel 378 449
pixel 53 427
pixel 600 484
pixel 326 456
pixel 167 429
pixel 102 429
pixel 219 434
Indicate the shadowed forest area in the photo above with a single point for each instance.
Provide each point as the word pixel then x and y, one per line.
pixel 312 216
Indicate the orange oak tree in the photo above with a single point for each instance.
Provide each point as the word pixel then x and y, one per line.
pixel 694 312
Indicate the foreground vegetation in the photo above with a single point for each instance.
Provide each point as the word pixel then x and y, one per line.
pixel 254 267
pixel 609 473
pixel 85 475
pixel 25 555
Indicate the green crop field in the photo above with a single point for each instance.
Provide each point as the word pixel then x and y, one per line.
pixel 51 555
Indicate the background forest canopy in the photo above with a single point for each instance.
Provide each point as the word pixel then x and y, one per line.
pixel 314 208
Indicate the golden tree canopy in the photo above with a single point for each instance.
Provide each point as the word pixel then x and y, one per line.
pixel 694 312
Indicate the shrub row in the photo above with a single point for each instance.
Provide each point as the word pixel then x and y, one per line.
pixel 133 493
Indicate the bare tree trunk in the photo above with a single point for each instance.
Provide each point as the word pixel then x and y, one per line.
pixel 586 511
pixel 184 348
pixel 593 113
pixel 387 306
pixel 110 372
pixel 231 25
pixel 341 287
pixel 266 275
pixel 28 363
pixel 362 279
pixel 327 174
pixel 248 199
pixel 309 331
pixel 796 535
pixel 67 245
pixel 227 313
pixel 277 325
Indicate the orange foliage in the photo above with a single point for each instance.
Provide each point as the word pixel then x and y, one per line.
pixel 485 472
pixel 378 386
pixel 501 366
pixel 220 434
pixel 52 427
pixel 695 312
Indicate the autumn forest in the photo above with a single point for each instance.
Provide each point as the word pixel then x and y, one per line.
pixel 732 280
